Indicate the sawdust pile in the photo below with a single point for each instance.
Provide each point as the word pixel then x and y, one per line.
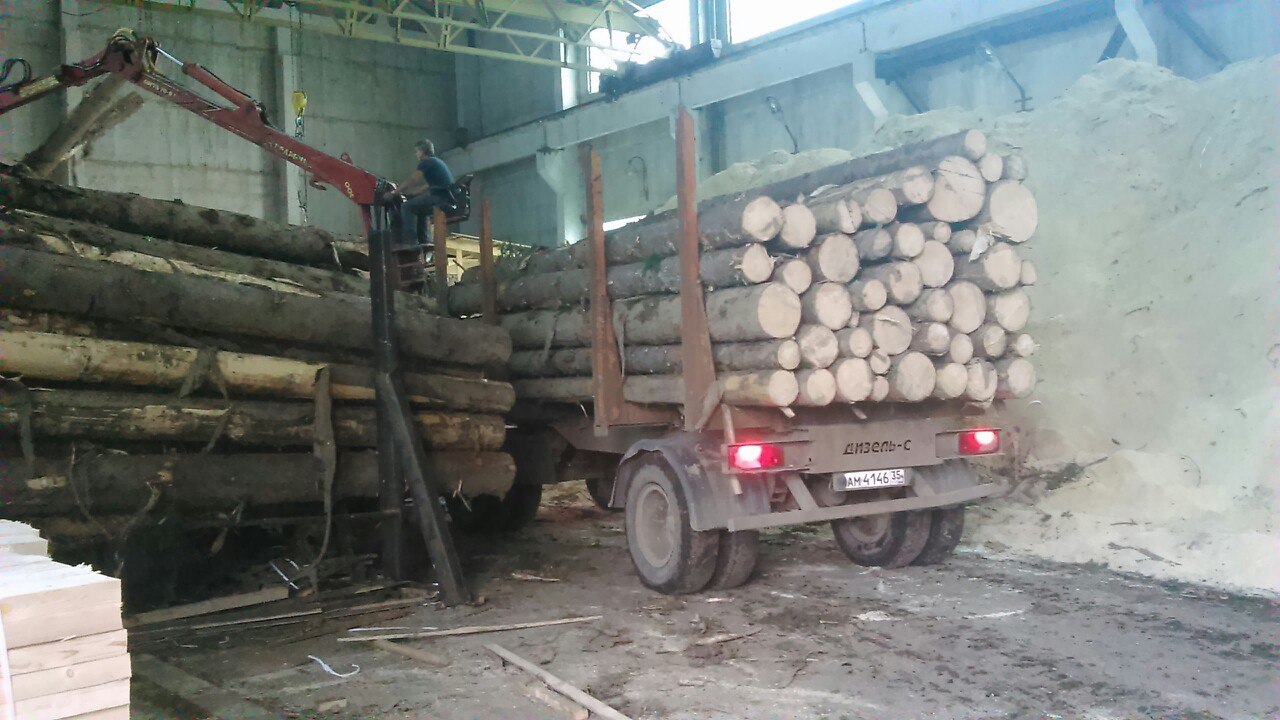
pixel 1151 442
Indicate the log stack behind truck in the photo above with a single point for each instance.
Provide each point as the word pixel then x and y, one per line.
pixel 864 322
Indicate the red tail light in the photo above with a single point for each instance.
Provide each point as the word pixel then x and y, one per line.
pixel 755 457
pixel 979 442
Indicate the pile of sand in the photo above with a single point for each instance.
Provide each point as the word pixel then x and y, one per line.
pixel 1151 443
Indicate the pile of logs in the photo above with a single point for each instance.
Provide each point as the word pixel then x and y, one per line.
pixel 894 277
pixel 163 356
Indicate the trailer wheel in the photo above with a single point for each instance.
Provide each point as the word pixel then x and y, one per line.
pixel 669 555
pixel 946 526
pixel 739 552
pixel 600 490
pixel 518 508
pixel 890 540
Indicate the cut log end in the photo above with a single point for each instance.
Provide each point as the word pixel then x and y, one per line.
pixel 795 274
pixel 818 346
pixel 828 304
pixel 1010 212
pixel 1017 378
pixel 868 295
pixel 817 387
pixel 799 227
pixel 854 380
pixel 762 219
pixel 912 378
pixel 952 381
pixel 969 306
pixel 833 258
pixel 890 328
pixel 855 342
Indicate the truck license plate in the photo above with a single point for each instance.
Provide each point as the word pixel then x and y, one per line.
pixel 870 479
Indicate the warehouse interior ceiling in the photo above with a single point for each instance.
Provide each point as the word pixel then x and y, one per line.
pixel 552 33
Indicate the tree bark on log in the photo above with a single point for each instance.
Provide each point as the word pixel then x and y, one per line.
pixel 910 186
pixel 826 303
pixel 63 358
pixel 833 258
pixel 952 381
pixel 935 230
pixel 113 483
pixel 128 417
pixel 854 380
pixel 818 346
pixel 764 388
pixel 958 193
pixel 911 378
pixel 817 387
pixel 969 306
pixel 306 278
pixel 188 224
pixel 1010 212
pixel 970 144
pixel 40 281
pixel 908 240
pixel 1016 378
pixel 989 341
pixel 1009 309
pixel 902 280
pixel 867 295
pixel 855 342
pixel 757 312
pixel 548 328
pixel 933 305
pixel 890 328
pixel 878 205
pixel 982 381
pixel 873 244
pixel 794 273
pixel 999 268
pixel 936 264
pixel 836 214
pixel 728 357
pixel 735 221
pixel 933 338
pixel 67 136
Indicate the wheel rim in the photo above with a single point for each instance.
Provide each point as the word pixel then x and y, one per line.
pixel 656 522
pixel 870 529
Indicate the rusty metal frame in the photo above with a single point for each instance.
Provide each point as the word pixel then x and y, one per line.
pixel 701 393
pixel 440 253
pixel 611 407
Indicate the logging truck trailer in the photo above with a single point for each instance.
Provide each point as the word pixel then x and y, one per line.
pixel 698 480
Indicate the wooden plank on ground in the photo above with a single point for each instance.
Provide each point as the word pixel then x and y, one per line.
pixel 207 607
pixel 74 702
pixel 88 620
pixel 204 695
pixel 71 677
pixel 44 656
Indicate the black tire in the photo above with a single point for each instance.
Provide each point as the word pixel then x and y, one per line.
pixel 739 552
pixel 600 490
pixel 669 555
pixel 518 508
pixel 946 526
pixel 489 514
pixel 891 540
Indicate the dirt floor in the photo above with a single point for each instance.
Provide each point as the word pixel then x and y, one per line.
pixel 974 638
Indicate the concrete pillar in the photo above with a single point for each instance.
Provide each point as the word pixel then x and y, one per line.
pixel 560 170
pixel 289 180
pixel 74 49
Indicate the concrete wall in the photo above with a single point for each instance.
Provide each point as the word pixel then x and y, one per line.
pixel 371 100
pixel 824 110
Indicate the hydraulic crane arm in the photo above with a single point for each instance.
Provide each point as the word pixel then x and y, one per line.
pixel 134 59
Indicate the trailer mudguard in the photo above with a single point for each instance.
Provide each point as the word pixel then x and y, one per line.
pixel 694 459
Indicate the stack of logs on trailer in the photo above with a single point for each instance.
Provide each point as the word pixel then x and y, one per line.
pixel 161 356
pixel 890 278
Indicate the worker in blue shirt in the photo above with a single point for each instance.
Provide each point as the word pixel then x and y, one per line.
pixel 426 189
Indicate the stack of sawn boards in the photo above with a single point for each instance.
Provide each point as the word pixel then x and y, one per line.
pixel 63 648
pixel 173 357
pixel 892 277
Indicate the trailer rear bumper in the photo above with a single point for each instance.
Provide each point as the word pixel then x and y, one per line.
pixel 841 512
